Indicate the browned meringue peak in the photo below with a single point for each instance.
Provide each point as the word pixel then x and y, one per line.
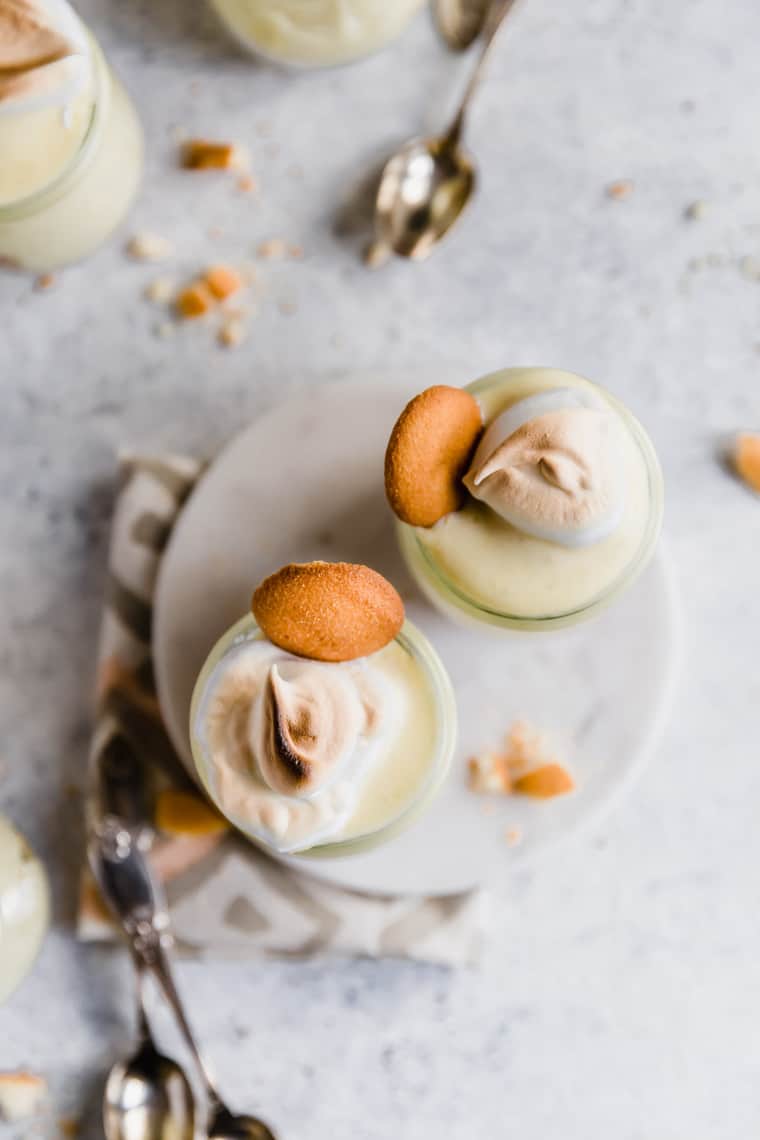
pixel 305 727
pixel 29 44
pixel 555 477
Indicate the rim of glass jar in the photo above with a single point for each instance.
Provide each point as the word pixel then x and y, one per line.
pixel 413 641
pixel 46 195
pixel 296 65
pixel 442 589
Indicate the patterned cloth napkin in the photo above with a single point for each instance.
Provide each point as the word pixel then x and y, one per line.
pixel 226 896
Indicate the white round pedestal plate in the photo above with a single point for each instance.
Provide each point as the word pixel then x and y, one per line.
pixel 305 481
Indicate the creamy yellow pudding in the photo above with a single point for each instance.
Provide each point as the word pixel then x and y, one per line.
pixel 316 33
pixel 563 505
pixel 70 141
pixel 323 756
pixel 24 908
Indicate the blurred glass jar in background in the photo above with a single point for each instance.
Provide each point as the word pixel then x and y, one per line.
pixel 316 33
pixel 70 140
pixel 24 908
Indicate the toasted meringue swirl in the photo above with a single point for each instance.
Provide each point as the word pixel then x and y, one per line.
pixel 549 466
pixel 42 53
pixel 304 728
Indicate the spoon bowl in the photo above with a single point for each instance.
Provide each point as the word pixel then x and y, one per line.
pixel 426 184
pixel 423 190
pixel 226 1125
pixel 460 22
pixel 148 1097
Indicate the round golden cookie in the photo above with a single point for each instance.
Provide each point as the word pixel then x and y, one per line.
pixel 329 611
pixel 428 453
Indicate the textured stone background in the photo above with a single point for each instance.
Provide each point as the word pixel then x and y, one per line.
pixel 620 987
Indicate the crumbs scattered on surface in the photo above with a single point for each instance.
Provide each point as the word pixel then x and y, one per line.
pixel 526 766
pixel 513 836
pixel 247 184
pixel 194 301
pixel 44 282
pixel 149 247
pixel 204 154
pixel 746 459
pixel 695 211
pixel 22 1096
pixel 620 189
pixel 161 291
pixel 232 333
pixel 274 249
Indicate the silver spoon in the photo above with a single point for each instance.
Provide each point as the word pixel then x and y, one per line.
pixel 148 1096
pixel 123 873
pixel 460 22
pixel 426 185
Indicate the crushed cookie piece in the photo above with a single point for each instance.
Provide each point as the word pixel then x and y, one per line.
pixel 274 249
pixel 622 188
pixel 232 333
pixel 161 291
pixel 149 247
pixel 295 251
pixel 513 836
pixel 194 301
pixel 247 184
pixel 223 281
pixel 746 459
pixel 695 211
pixel 184 813
pixel 22 1095
pixel 44 282
pixel 545 782
pixel 749 267
pixel 202 154
pixel 488 774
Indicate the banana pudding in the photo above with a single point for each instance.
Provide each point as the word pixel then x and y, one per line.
pixel 323 721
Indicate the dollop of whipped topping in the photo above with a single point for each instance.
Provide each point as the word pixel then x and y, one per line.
pixel 305 728
pixel 550 466
pixel 290 741
pixel 44 56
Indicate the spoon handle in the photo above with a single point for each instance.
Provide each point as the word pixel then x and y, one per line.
pixel 496 14
pixel 121 868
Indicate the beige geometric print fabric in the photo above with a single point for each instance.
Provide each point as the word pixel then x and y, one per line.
pixel 226 896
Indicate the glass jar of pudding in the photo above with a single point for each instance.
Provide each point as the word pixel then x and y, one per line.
pixel 316 33
pixel 24 908
pixel 477 567
pixel 71 158
pixel 368 802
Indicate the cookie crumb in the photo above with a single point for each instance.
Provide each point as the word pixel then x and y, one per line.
pixel 545 782
pixel 165 330
pixel 161 291
pixel 69 1127
pixel 223 281
pixel 622 188
pixel 22 1096
pixel 232 333
pixel 194 301
pixel 44 282
pixel 247 184
pixel 513 836
pixel 749 267
pixel 203 154
pixel 695 211
pixel 149 247
pixel 746 459
pixel 488 774
pixel 274 249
